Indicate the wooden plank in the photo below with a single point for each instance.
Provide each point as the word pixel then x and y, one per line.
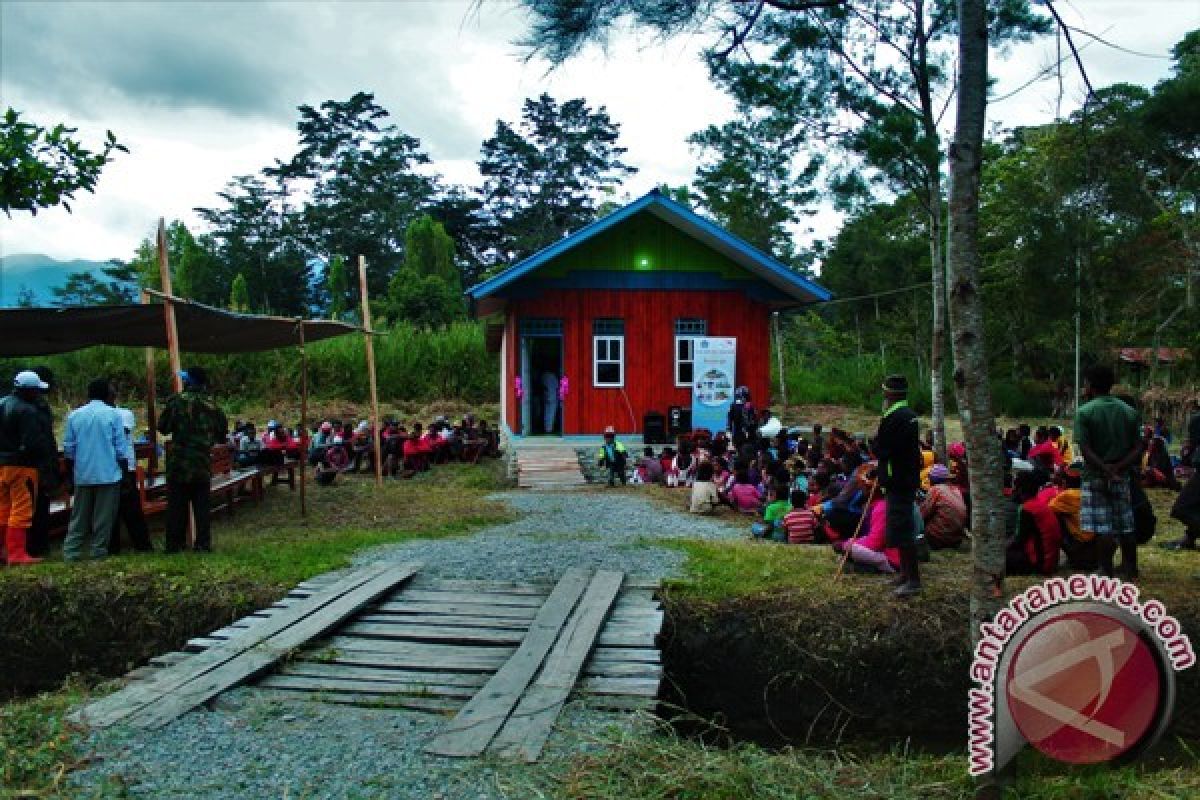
pixel 321 685
pixel 121 704
pixel 626 639
pixel 405 676
pixel 469 733
pixel 528 727
pixel 437 705
pixel 474 598
pixel 504 587
pixel 466 609
pixel 418 661
pixel 622 669
pixel 499 623
pixel 252 662
pixel 338 645
pixel 636 687
pixel 433 633
pixel 644 654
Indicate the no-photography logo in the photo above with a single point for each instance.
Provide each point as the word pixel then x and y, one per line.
pixel 1078 668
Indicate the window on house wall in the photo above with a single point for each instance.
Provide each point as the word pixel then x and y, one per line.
pixel 686 332
pixel 608 351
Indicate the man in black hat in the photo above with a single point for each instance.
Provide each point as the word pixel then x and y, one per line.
pixel 897 447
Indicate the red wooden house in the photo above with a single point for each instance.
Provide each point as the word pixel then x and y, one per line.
pixel 614 309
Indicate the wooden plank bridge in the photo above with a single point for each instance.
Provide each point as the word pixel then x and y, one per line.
pixel 502 657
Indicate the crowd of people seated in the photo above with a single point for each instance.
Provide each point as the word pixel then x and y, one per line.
pixel 803 486
pixel 335 447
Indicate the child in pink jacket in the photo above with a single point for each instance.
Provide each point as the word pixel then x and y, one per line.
pixel 870 549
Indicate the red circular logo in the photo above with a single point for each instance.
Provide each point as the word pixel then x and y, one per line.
pixel 1084 688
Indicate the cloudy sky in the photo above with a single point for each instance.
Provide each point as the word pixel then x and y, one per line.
pixel 203 91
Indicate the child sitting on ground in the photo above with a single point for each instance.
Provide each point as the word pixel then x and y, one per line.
pixel 776 509
pixel 744 495
pixel 800 523
pixel 704 491
pixel 649 468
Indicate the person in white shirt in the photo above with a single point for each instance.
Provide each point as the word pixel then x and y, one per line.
pixel 97 458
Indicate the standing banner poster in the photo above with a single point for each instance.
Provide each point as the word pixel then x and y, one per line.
pixel 712 389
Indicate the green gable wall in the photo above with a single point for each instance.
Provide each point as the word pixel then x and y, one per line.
pixel 643 237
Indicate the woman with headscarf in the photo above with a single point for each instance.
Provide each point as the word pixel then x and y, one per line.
pixel 943 510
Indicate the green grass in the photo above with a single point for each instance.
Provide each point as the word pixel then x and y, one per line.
pixel 660 765
pixel 272 544
pixel 101 618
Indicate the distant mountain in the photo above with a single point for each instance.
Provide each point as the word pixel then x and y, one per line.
pixel 40 274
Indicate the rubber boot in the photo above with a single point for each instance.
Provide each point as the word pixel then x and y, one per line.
pixel 909 566
pixel 1129 567
pixel 1108 549
pixel 15 539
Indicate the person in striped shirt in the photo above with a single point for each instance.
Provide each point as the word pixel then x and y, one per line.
pixel 800 523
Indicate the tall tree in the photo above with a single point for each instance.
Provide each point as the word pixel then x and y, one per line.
pixel 867 77
pixel 42 168
pixel 543 177
pixel 426 291
pixel 338 281
pixel 971 381
pixel 750 183
pixel 362 177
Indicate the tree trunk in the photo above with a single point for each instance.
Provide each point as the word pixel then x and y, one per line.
pixel 971 382
pixel 933 170
pixel 938 334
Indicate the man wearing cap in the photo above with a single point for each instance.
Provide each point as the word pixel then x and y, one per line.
pixel 23 452
pixel 50 479
pixel 194 424
pixel 612 454
pixel 97 459
pixel 897 447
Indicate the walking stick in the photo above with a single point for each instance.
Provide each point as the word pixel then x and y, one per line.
pixel 846 551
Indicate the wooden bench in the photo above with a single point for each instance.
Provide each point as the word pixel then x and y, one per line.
pixel 230 484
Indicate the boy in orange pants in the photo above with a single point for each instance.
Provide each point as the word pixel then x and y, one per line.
pixel 22 452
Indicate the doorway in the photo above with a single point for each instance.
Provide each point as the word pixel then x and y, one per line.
pixel 541 369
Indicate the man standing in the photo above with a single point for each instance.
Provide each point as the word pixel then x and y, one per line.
pixel 23 453
pixel 1187 505
pixel 50 478
pixel 897 446
pixel 549 400
pixel 129 509
pixel 94 446
pixel 1106 431
pixel 195 424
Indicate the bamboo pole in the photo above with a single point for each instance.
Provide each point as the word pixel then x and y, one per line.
pixel 164 272
pixel 151 410
pixel 366 318
pixel 303 421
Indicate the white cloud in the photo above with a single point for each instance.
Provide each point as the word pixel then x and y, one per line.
pixel 202 92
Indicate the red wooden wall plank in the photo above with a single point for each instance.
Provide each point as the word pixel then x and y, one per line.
pixel 649 349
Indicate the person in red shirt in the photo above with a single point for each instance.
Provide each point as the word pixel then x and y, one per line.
pixel 801 523
pixel 1035 544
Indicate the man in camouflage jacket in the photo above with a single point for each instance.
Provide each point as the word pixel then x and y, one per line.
pixel 195 424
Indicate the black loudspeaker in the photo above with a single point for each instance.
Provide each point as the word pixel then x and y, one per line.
pixel 654 428
pixel 679 420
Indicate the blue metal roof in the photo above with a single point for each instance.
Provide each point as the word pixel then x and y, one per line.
pixel 758 263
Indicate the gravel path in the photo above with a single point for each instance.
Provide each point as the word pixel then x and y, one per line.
pixel 257 744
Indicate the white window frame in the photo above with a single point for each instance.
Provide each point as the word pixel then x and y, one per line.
pixel 608 339
pixel 691 340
